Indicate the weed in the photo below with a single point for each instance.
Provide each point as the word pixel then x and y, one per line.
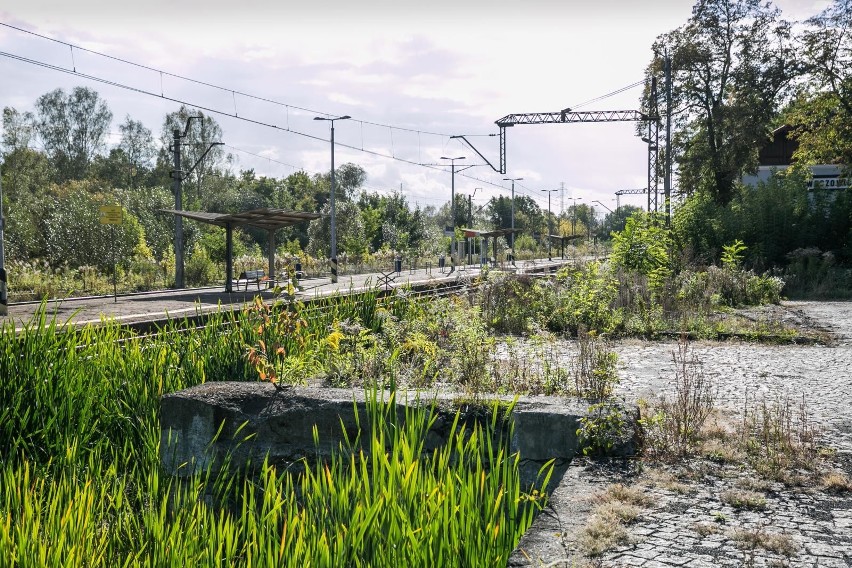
pixel 778 438
pixel 751 539
pixel 594 370
pixel 706 529
pixel 674 429
pixel 601 429
pixel 617 506
pixel 741 499
pixel 836 482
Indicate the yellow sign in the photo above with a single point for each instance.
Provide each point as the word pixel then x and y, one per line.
pixel 111 214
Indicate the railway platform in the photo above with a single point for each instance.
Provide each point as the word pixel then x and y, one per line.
pixel 147 308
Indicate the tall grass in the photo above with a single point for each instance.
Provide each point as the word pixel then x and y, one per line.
pixel 81 482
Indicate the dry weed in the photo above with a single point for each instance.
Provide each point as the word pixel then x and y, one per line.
pixel 706 529
pixel 741 499
pixel 602 533
pixel 782 544
pixel 836 482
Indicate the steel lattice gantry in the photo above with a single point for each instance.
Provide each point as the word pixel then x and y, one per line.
pixel 567 116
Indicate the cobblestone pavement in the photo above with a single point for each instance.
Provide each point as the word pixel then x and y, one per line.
pixel 690 521
pixel 820 374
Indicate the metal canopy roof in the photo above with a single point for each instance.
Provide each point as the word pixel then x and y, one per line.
pixel 495 233
pixel 264 218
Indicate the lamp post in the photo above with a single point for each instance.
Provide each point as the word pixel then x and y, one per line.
pixel 602 205
pixel 453 202
pixel 331 199
pixel 512 235
pixel 549 222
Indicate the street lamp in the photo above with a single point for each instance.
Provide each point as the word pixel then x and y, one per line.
pixel 453 202
pixel 512 244
pixel 331 199
pixel 549 222
pixel 602 205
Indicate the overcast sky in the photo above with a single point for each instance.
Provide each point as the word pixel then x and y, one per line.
pixel 409 73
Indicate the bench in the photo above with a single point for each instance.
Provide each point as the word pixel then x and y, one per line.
pixel 255 276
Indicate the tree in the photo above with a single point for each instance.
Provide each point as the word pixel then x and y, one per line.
pixel 822 115
pixel 138 147
pixel 350 231
pixel 616 220
pixel 18 129
pixel 74 234
pixel 731 63
pixel 201 133
pixel 72 128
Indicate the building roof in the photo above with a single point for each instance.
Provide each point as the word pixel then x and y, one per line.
pixel 263 218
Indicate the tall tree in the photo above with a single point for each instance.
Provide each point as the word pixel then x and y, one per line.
pixel 138 146
pixel 201 133
pixel 731 63
pixel 18 129
pixel 72 127
pixel 822 114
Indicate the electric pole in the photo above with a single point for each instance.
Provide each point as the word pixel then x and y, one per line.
pixel 177 179
pixel 4 299
pixel 667 179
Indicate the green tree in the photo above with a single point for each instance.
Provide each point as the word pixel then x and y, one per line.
pixel 822 114
pixel 731 64
pixel 72 128
pixel 74 234
pixel 137 144
pixel 350 231
pixel 200 135
pixel 615 221
pixel 644 246
pixel 18 130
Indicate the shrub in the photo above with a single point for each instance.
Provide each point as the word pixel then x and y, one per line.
pixel 586 299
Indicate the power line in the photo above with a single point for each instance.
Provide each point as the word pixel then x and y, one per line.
pixel 233 92
pixel 613 93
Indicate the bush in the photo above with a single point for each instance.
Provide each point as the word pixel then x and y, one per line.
pixel 586 299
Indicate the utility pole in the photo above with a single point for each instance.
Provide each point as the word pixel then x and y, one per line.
pixel 453 248
pixel 512 235
pixel 561 198
pixel 177 186
pixel 549 222
pixel 178 190
pixel 667 180
pixel 4 299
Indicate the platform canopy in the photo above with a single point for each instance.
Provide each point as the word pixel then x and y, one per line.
pixel 264 218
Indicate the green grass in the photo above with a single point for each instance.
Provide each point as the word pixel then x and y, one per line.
pixel 81 482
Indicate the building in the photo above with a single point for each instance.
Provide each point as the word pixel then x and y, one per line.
pixel 778 156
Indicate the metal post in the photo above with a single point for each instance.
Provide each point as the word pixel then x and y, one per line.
pixel 4 299
pixel 333 218
pixel 271 234
pixel 667 180
pixel 550 222
pixel 229 258
pixel 331 199
pixel 512 238
pixel 453 243
pixel 177 186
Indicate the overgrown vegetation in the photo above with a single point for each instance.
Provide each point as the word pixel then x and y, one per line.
pixel 80 479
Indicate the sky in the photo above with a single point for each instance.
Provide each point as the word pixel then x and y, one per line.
pixel 410 74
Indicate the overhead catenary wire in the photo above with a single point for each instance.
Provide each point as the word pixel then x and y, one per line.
pixel 235 114
pixel 233 92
